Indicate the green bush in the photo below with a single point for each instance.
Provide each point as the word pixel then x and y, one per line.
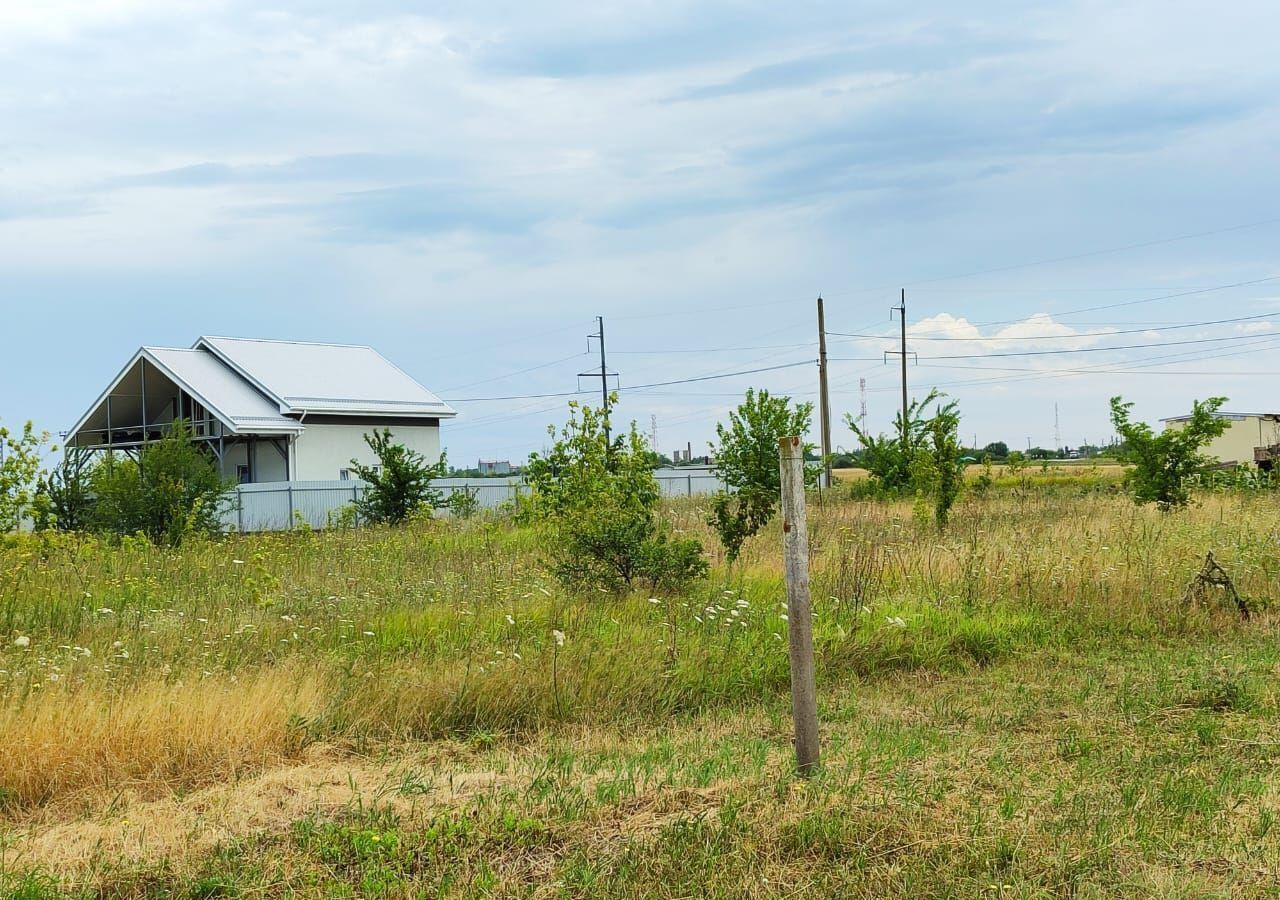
pixel 400 485
pixel 20 475
pixel 1164 463
pixel 171 491
pixel 597 497
pixel 747 461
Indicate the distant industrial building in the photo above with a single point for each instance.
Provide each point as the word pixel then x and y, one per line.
pixel 494 466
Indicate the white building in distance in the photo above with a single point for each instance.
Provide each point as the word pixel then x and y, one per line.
pixel 267 410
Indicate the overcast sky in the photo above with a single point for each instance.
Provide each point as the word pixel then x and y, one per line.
pixel 465 186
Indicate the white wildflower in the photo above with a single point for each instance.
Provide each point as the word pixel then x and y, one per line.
pixel 654 600
pixel 237 562
pixel 559 636
pixel 367 633
pixel 511 620
pixel 22 641
pixel 104 611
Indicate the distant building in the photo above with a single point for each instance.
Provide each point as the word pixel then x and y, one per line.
pixel 265 410
pixel 494 467
pixel 1251 438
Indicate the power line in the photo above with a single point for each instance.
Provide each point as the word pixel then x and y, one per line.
pixel 1191 293
pixel 715 349
pixel 1236 337
pixel 1102 252
pixel 1056 337
pixel 515 373
pixel 641 387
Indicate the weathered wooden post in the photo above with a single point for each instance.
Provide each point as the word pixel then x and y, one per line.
pixel 795 547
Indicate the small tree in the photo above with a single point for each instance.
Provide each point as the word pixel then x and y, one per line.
pixel 939 454
pixel 171 491
pixel 400 485
pixel 66 491
pixel 20 473
pixel 747 460
pixel 598 498
pixel 890 459
pixel 1163 462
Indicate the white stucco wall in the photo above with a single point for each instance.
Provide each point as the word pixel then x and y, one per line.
pixel 323 450
pixel 270 463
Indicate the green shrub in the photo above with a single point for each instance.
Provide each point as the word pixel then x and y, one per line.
pixel 597 497
pixel 1164 463
pixel 20 474
pixel 747 461
pixel 400 485
pixel 171 491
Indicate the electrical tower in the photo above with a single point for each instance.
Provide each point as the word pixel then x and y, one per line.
pixel 862 412
pixel 1057 429
pixel 653 433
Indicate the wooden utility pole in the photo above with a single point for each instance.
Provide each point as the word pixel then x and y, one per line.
pixel 824 399
pixel 795 546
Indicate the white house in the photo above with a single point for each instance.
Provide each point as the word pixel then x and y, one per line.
pixel 267 410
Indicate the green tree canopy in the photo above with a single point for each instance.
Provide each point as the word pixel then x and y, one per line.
pixel 746 454
pixel 1162 462
pixel 400 484
pixel 598 499
pixel 170 491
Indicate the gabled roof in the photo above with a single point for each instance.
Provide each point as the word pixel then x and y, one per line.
pixel 220 390
pixel 226 395
pixel 326 378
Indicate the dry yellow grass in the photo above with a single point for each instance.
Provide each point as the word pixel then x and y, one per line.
pixel 154 735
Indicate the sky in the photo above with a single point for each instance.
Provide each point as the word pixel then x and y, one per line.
pixel 466 186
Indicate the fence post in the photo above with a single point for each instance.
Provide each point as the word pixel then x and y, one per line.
pixel 355 496
pixel 795 546
pixel 689 485
pixel 290 491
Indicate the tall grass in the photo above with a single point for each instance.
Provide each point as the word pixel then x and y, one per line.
pixel 131 664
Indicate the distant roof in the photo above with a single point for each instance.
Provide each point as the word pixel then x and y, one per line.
pixel 1223 414
pixel 326 378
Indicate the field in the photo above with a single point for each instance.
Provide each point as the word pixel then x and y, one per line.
pixel 1026 705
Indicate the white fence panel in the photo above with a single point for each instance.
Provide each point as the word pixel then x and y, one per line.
pixel 279 505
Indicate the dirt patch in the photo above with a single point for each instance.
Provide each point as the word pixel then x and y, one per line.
pixel 130 829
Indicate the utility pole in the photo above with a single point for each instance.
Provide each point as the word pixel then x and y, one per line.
pixel 902 318
pixel 795 549
pixel 901 310
pixel 604 373
pixel 824 399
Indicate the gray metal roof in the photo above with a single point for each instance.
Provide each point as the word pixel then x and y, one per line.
pixel 221 390
pixel 326 378
pixel 1225 414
